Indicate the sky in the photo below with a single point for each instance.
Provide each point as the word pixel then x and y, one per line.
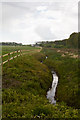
pixel 31 22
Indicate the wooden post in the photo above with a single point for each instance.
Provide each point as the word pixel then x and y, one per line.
pixel 2 63
pixel 13 55
pixel 1 60
pixel 17 53
pixel 20 52
pixel 8 58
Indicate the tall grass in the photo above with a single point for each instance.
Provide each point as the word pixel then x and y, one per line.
pixel 68 72
pixel 25 84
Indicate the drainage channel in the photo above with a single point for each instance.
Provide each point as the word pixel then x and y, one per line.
pixel 52 90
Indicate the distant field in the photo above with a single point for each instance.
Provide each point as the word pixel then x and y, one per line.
pixel 8 49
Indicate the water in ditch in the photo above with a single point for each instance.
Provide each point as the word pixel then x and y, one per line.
pixel 52 91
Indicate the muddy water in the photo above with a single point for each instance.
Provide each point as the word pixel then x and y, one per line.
pixel 52 91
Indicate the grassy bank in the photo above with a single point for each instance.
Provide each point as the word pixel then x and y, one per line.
pixel 25 84
pixel 68 71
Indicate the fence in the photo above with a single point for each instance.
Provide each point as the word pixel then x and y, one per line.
pixel 18 53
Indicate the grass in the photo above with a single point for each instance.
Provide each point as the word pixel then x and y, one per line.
pixel 68 72
pixel 9 49
pixel 25 84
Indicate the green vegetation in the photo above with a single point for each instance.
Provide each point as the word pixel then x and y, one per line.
pixel 8 49
pixel 68 72
pixel 72 42
pixel 25 84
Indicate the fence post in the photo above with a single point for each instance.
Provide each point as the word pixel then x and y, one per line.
pixel 1 65
pixel 1 60
pixel 17 53
pixel 13 55
pixel 8 58
pixel 20 52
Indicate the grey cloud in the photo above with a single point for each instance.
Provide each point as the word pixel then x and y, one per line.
pixel 12 10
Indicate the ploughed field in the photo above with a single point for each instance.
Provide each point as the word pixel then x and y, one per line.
pixel 26 80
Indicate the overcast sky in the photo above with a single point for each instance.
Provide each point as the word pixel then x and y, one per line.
pixel 29 22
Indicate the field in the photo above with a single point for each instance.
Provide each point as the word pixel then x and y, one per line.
pixel 9 49
pixel 26 81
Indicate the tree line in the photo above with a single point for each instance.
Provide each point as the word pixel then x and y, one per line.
pixel 10 43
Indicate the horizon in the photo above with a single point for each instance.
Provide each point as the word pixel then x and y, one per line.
pixel 38 41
